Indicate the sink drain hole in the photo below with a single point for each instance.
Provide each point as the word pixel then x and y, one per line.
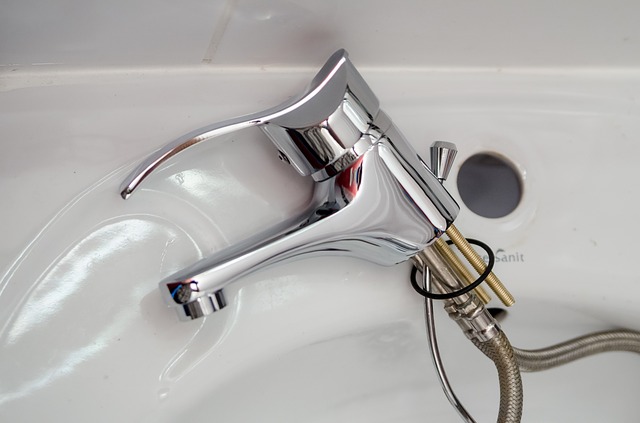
pixel 489 185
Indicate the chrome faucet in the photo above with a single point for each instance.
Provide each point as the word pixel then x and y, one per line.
pixel 374 198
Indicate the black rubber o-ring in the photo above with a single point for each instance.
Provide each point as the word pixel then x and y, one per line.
pixel 449 295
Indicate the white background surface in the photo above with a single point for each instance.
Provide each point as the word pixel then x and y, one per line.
pixel 404 33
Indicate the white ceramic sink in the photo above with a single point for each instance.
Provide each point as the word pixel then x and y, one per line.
pixel 85 335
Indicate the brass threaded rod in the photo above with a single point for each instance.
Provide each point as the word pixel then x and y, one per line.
pixel 479 265
pixel 459 267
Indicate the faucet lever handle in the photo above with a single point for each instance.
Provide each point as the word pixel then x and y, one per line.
pixel 442 156
pixel 321 132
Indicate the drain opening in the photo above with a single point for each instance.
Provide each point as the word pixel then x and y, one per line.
pixel 489 185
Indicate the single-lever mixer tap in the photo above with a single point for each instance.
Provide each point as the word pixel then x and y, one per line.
pixel 374 198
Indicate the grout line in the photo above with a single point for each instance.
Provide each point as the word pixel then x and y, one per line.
pixel 219 30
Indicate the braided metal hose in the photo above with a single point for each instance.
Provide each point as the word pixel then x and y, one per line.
pixel 574 349
pixel 499 350
pixel 479 326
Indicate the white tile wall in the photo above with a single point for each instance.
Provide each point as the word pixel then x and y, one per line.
pixel 488 33
pixel 92 33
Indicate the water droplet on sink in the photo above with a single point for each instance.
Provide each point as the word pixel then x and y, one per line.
pixel 163 393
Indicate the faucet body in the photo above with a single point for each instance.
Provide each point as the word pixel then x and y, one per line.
pixel 374 198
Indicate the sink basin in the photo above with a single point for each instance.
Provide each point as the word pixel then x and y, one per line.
pixel 86 335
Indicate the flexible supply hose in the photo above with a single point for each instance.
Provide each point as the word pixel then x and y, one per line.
pixel 574 349
pixel 435 351
pixel 472 318
pixel 510 361
pixel 499 350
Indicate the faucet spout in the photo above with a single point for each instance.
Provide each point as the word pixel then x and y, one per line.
pixel 368 211
pixel 374 198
